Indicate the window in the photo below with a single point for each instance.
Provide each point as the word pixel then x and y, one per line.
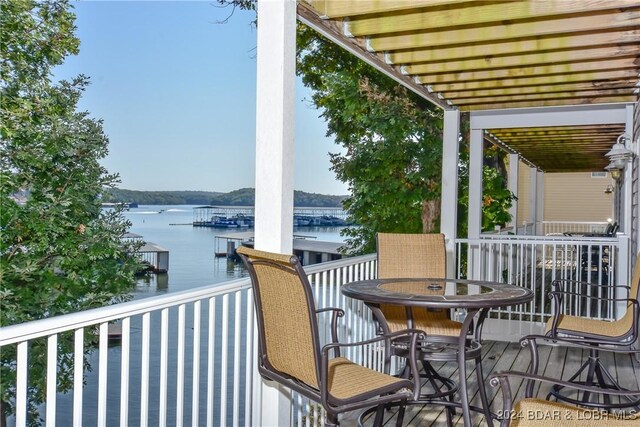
pixel 598 174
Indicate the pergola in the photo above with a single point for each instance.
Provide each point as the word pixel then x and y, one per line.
pixel 553 82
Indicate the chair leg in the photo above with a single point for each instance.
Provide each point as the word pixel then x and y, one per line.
pixel 400 417
pixel 483 393
pixel 379 416
pixel 331 420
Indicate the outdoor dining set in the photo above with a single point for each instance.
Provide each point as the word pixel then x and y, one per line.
pixel 423 319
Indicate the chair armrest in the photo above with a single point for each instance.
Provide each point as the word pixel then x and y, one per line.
pixel 576 294
pixel 556 284
pixel 501 378
pixel 575 342
pixel 336 313
pixel 412 333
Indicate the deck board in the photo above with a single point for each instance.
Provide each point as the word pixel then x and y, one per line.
pixel 555 361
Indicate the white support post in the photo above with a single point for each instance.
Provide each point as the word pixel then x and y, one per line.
pixel 475 200
pixel 449 191
pixel 539 203
pixel 275 125
pixel 627 189
pixel 533 198
pixel 514 165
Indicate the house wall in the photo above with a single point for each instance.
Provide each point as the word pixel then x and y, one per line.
pixel 575 196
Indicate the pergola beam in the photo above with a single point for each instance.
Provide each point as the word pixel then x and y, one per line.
pixel 571 42
pixel 506 31
pixel 463 15
pixel 546 58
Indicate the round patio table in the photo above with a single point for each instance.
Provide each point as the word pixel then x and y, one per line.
pixel 477 297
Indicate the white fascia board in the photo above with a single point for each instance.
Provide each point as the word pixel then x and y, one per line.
pixel 575 115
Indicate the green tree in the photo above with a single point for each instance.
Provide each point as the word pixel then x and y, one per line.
pixel 59 251
pixel 391 140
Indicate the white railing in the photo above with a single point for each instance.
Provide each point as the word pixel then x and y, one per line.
pixel 534 262
pixel 185 358
pixel 561 227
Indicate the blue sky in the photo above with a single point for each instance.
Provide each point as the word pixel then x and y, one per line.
pixel 176 92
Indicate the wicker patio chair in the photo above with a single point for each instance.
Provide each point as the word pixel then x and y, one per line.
pixel 424 256
pixel 414 256
pixel 289 345
pixel 597 334
pixel 532 412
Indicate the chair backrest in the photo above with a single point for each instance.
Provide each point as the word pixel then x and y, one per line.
pixel 634 293
pixel 411 255
pixel 285 308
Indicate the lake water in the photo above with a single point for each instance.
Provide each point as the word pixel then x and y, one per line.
pixel 191 249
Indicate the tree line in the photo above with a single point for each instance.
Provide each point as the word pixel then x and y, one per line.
pixel 241 197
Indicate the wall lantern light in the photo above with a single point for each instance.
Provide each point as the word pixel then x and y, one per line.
pixel 618 156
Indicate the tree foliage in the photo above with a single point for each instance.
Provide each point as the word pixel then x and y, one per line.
pixel 391 141
pixel 59 251
pixel 241 197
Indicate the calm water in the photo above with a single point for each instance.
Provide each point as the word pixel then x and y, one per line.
pixel 191 249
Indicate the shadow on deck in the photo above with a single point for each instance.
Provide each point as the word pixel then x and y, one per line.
pixel 556 362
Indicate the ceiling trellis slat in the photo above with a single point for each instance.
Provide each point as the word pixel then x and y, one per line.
pixel 478 55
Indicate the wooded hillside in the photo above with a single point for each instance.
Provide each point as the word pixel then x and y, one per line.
pixel 241 197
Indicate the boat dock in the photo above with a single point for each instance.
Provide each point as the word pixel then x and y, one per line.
pixel 154 256
pixel 306 248
pixel 243 217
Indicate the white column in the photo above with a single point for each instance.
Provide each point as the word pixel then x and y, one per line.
pixel 475 201
pixel 275 125
pixel 275 110
pixel 627 189
pixel 533 198
pixel 514 166
pixel 475 183
pixel 449 191
pixel 539 203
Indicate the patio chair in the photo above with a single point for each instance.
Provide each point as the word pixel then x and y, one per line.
pixel 424 256
pixel 531 411
pixel 596 334
pixel 414 256
pixel 289 349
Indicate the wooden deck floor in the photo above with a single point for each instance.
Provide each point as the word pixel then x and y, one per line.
pixel 555 361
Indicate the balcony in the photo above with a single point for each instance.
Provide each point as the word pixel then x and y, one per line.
pixel 189 358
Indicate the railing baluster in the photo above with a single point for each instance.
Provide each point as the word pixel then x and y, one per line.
pixel 180 366
pixel 224 359
pixel 102 374
pixel 125 346
pixel 78 376
pixel 52 379
pixel 236 358
pixel 211 342
pixel 195 386
pixel 248 360
pixel 164 366
pixel 144 371
pixel 22 362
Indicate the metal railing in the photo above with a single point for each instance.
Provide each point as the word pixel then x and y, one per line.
pixel 560 227
pixel 186 358
pixel 534 262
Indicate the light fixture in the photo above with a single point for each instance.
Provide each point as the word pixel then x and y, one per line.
pixel 608 189
pixel 618 156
